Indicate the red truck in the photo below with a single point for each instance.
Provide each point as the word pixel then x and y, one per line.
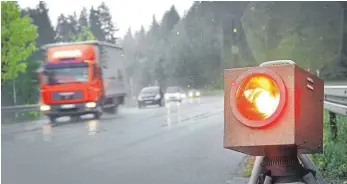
pixel 81 78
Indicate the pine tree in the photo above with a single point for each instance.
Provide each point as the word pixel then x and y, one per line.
pixel 45 30
pixel 83 28
pixel 95 25
pixel 153 33
pixel 142 34
pixel 128 37
pixel 107 26
pixel 83 20
pixel 40 18
pixel 170 19
pixel 72 26
pixel 62 30
pixel 128 44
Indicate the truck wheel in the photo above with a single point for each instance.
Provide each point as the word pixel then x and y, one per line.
pixel 97 115
pixel 52 119
pixel 114 109
pixel 121 100
pixel 75 118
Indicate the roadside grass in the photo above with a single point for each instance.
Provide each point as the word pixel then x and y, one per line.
pixel 248 166
pixel 333 161
pixel 19 117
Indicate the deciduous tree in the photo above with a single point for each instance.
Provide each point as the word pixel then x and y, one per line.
pixel 18 36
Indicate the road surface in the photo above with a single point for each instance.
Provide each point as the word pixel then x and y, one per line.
pixel 177 144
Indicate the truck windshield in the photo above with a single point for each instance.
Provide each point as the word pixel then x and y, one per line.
pixel 66 75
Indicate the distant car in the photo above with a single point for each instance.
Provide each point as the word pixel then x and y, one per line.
pixel 174 93
pixel 152 95
pixel 193 93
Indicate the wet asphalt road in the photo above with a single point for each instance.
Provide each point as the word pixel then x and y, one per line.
pixel 177 144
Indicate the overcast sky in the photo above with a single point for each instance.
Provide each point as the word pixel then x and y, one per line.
pixel 125 13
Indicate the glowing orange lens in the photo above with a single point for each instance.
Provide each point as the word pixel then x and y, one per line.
pixel 257 97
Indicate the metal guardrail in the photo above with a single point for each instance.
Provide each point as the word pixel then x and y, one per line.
pixel 21 108
pixel 335 99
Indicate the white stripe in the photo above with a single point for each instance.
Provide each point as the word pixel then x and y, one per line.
pixel 339 87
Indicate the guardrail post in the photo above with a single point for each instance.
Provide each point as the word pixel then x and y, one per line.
pixel 333 126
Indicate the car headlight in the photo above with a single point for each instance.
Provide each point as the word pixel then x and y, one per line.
pixel 157 96
pixel 197 93
pixel 91 104
pixel 190 94
pixel 45 107
pixel 139 98
pixel 166 97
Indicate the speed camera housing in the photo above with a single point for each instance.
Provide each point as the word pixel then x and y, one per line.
pixel 271 107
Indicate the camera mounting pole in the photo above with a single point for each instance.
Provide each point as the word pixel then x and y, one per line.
pixel 287 168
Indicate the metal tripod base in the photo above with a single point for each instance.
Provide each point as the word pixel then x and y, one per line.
pixel 285 169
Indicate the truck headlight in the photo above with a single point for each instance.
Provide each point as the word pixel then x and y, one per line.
pixel 45 107
pixel 157 97
pixel 190 94
pixel 91 104
pixel 166 97
pixel 197 93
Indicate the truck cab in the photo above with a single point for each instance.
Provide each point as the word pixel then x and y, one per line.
pixel 73 80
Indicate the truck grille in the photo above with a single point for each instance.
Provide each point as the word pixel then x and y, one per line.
pixel 74 95
pixel 68 110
